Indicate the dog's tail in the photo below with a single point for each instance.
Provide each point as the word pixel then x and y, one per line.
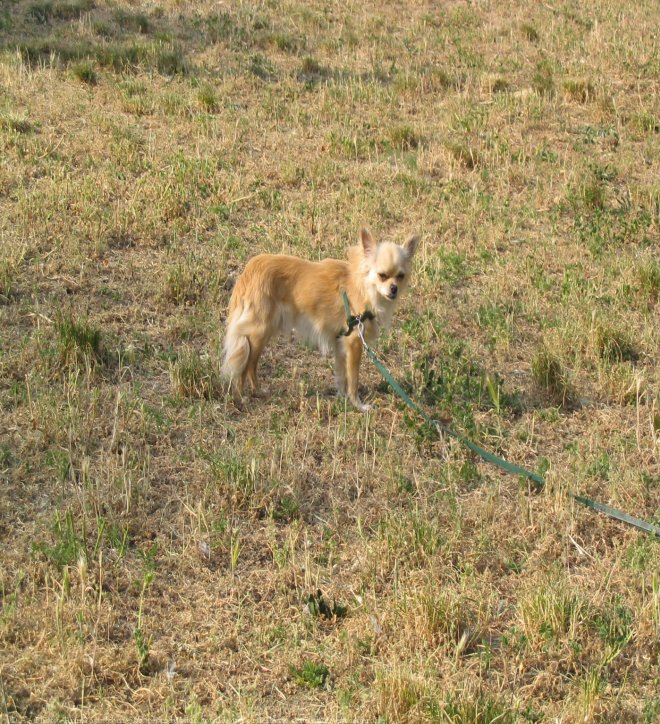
pixel 237 347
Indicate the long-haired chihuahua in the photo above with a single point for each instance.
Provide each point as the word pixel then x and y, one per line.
pixel 279 294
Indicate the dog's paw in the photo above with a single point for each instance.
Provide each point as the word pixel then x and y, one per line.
pixel 361 406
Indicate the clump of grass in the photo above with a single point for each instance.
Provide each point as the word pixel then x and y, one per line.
pixel 551 377
pixel 6 280
pixel 646 122
pixel 171 61
pixel 590 194
pixel 500 85
pixel 85 73
pixel 103 29
pixel 530 32
pixel 69 543
pixel 78 342
pixel 120 57
pixel 452 620
pixel 581 91
pixel 285 42
pixel 404 138
pixel 311 69
pixel 132 22
pixel 192 376
pixel 465 154
pixel 311 674
pixel 17 125
pixel 181 285
pixel 468 707
pixel 543 80
pixel 262 68
pixel 648 275
pixel 401 695
pixel 552 612
pixel 207 98
pixel 612 345
pixel 320 608
pixel 45 11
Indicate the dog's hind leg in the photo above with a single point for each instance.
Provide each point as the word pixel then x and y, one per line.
pixel 258 340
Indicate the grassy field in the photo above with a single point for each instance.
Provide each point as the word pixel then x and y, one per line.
pixel 170 555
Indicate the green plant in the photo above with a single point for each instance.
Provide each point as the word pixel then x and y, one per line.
pixel 550 376
pixel 207 98
pixel 140 637
pixel 193 376
pixel 612 345
pixel 319 607
pixel 311 674
pixel 69 546
pixel 543 80
pixel 78 342
pixel 404 138
pixel 85 72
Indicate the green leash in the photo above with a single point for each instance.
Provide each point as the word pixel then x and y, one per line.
pixel 481 452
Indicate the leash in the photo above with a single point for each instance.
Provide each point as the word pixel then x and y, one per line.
pixel 484 454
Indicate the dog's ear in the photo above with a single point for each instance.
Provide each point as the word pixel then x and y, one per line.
pixel 411 246
pixel 368 241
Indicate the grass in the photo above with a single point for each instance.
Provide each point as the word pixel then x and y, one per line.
pixel 170 553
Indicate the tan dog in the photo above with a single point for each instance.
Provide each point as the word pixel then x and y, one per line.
pixel 277 293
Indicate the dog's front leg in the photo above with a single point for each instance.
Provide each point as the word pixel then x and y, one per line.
pixel 353 357
pixel 340 366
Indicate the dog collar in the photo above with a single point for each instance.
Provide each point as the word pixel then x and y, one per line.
pixel 352 320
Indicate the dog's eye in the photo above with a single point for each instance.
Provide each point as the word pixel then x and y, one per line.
pixel 382 277
pixel 400 276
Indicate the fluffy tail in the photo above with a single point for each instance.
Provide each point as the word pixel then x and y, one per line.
pixel 237 348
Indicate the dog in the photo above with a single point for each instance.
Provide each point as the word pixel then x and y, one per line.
pixel 280 294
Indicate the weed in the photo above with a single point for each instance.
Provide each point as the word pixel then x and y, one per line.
pixel 262 68
pixel 614 625
pixel 613 345
pixel 193 376
pixel 319 607
pixel 480 709
pixel 404 138
pixel 132 22
pixel 182 284
pixel 543 80
pixel 69 546
pixel 550 376
pixel 85 72
pixel 286 509
pixel 141 639
pixel 311 71
pixel 7 276
pixel 17 125
pixel 552 611
pixel 581 91
pixel 465 154
pixel 530 32
pixel 648 275
pixel 207 98
pixel 78 342
pixel 171 61
pixel 311 674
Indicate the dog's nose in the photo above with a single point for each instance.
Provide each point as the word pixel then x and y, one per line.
pixel 393 289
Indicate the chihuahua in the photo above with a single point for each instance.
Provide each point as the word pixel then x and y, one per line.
pixel 280 294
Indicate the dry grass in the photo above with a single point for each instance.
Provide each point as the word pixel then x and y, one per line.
pixel 162 548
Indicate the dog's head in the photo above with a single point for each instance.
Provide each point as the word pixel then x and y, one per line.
pixel 388 265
